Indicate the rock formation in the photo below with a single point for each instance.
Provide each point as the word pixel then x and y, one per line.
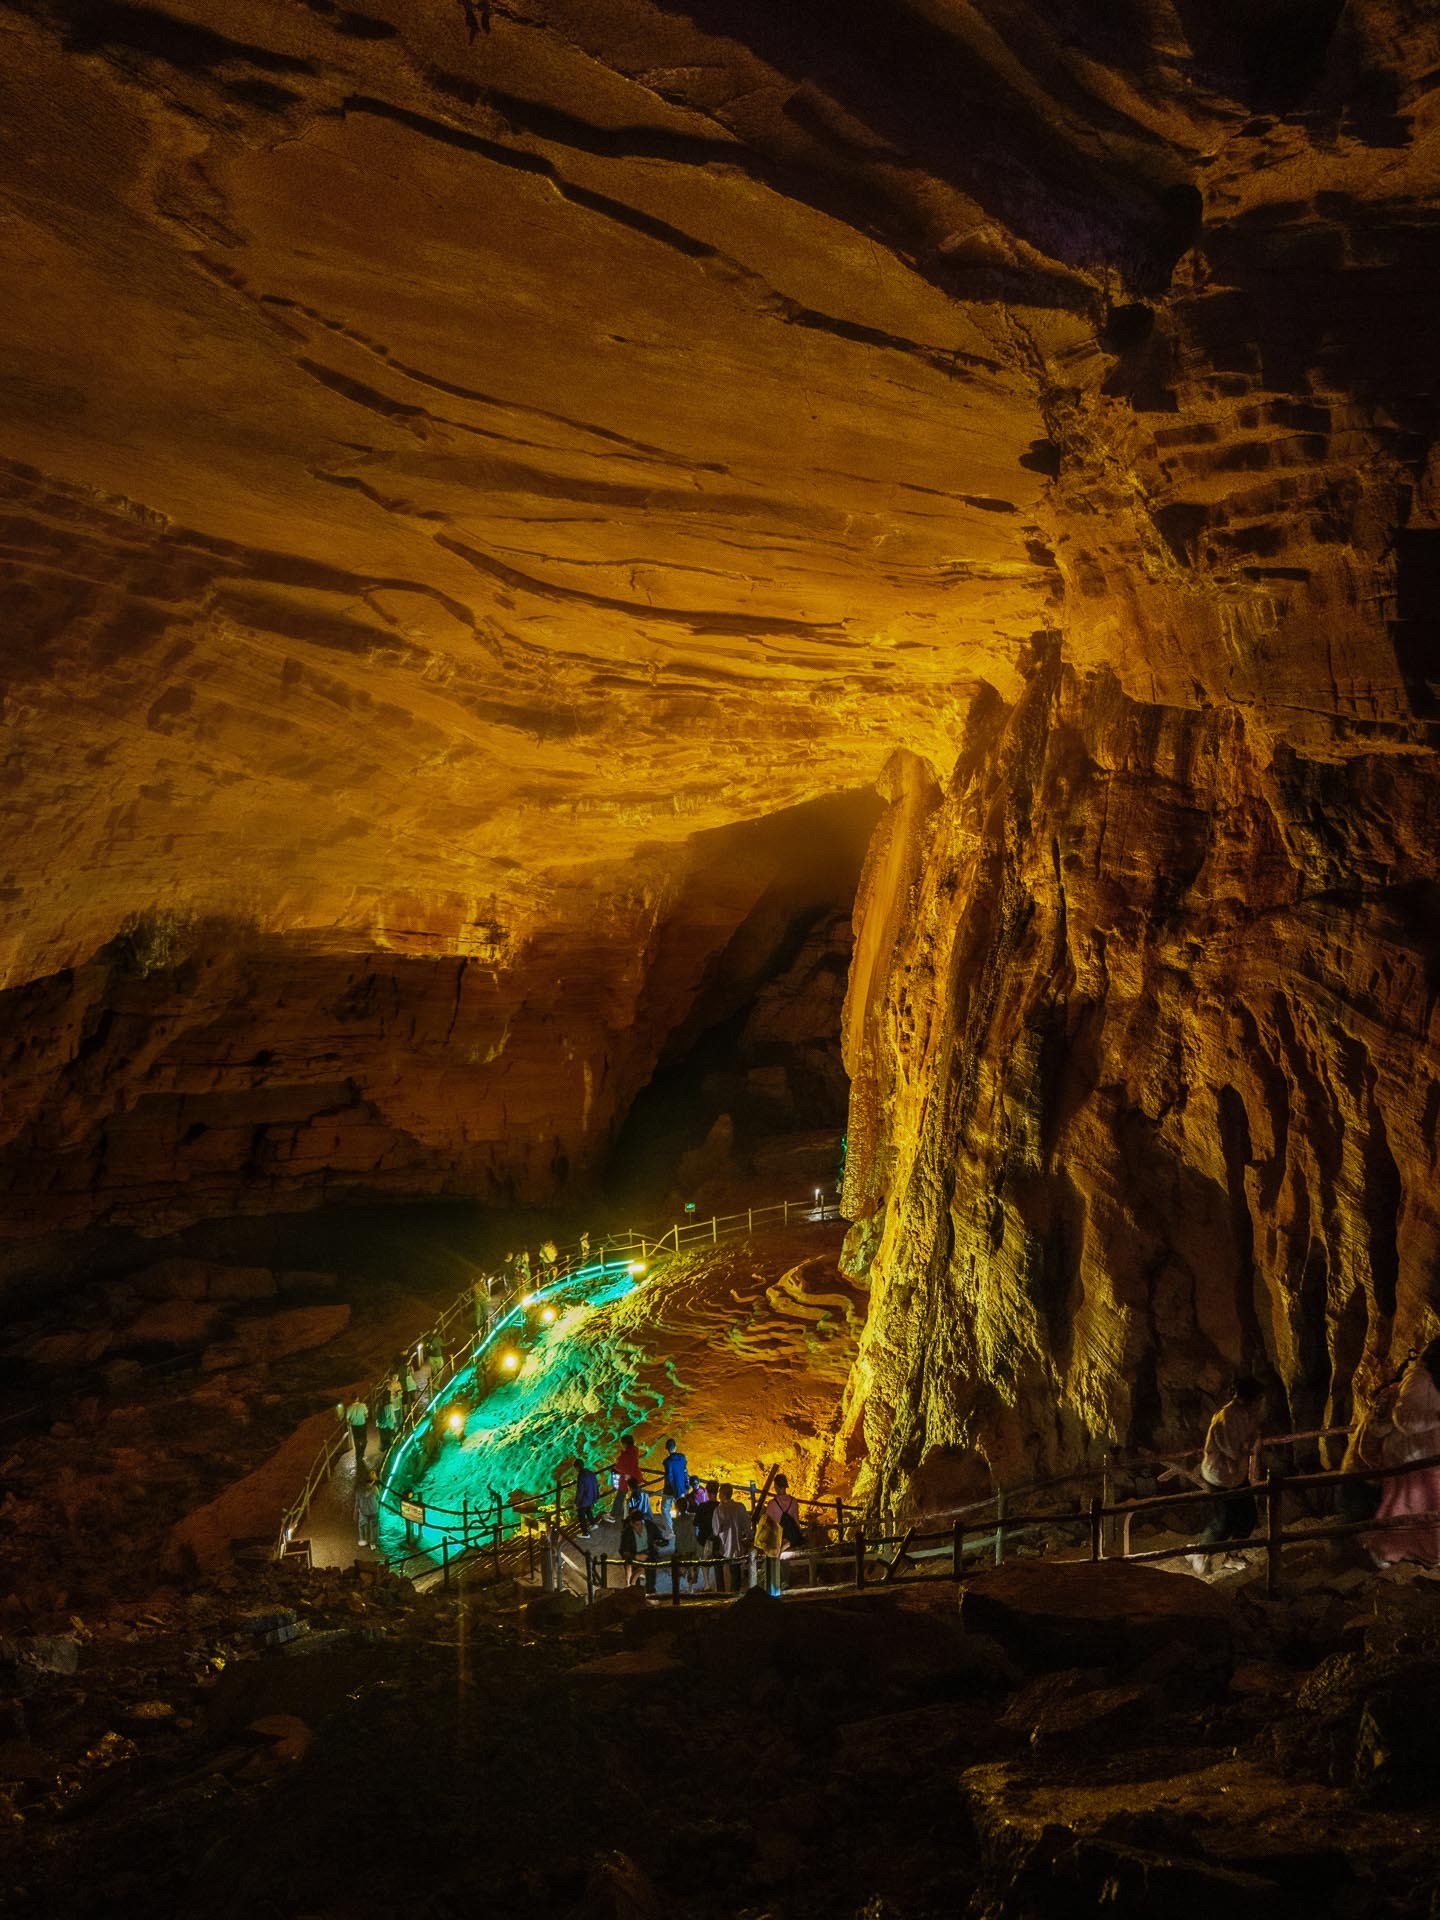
pixel 466 467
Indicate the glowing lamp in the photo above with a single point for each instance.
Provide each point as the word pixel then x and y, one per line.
pixel 509 1361
pixel 636 1267
pixel 548 1316
pixel 456 1423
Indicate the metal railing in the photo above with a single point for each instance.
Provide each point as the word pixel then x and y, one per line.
pixel 611 1253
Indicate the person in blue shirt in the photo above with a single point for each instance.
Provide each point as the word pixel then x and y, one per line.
pixel 587 1495
pixel 677 1480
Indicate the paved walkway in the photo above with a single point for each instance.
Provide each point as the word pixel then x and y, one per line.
pixel 330 1524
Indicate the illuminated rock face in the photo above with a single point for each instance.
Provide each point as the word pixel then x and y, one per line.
pixel 458 465
pixel 1142 1021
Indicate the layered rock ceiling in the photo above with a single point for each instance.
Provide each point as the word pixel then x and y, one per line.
pixel 468 467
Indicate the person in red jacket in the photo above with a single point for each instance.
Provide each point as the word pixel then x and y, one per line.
pixel 627 1466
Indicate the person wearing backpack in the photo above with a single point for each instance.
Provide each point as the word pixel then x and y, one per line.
pixel 676 1482
pixel 706 1544
pixel 782 1511
pixel 1374 1441
pixel 587 1496
pixel 1407 1497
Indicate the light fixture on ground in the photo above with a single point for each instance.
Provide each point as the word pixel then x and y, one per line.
pixel 636 1268
pixel 509 1361
pixel 547 1317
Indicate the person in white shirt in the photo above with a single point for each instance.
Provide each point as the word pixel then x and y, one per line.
pixel 731 1530
pixel 1226 1465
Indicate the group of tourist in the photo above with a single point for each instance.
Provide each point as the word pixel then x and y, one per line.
pixel 700 1524
pixel 1399 1425
pixel 519 1273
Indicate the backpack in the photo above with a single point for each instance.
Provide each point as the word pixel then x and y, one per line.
pixel 769 1536
pixel 790 1530
pixel 1375 1438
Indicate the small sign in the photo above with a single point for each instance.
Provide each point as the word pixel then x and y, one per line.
pixel 412 1510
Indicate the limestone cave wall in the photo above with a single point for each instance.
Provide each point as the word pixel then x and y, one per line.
pixel 1142 1024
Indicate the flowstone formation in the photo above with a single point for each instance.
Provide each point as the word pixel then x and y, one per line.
pixel 465 462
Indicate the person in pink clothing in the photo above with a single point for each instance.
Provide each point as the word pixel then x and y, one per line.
pixel 1417 1428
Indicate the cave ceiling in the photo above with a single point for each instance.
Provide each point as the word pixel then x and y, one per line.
pixel 459 458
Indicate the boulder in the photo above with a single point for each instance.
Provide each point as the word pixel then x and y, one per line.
pixel 617 1889
pixel 302 1281
pixel 170 1323
pixel 1106 1613
pixel 82 1348
pixel 275 1336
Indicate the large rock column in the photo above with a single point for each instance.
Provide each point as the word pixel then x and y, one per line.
pixel 1146 1083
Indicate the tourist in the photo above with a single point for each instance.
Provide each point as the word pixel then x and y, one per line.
pixel 675 1481
pixel 435 1354
pixel 367 1510
pixel 1417 1423
pixel 706 1544
pixel 655 1538
pixel 420 1376
pixel 1374 1441
pixel 731 1534
pixel 480 1301
pixel 552 1564
pixel 637 1500
pixel 1226 1466
pixel 549 1254
pixel 585 1246
pixel 587 1496
pixel 626 1469
pixel 686 1541
pixel 632 1533
pixel 412 1526
pixel 387 1417
pixel 408 1387
pixel 357 1418
pixel 522 1269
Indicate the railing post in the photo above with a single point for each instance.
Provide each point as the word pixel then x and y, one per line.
pixel 589 1578
pixel 445 1563
pixel 465 1520
pixel 860 1558
pixel 674 1579
pixel 495 1549
pixel 1274 1545
pixel 959 1549
pixel 1125 1536
pixel 1097 1525
pixel 839 1518
pixel 785 1210
pixel 749 1220
pixel 604 1570
pixel 1000 1527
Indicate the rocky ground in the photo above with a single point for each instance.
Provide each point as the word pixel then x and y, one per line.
pixel 340 1746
